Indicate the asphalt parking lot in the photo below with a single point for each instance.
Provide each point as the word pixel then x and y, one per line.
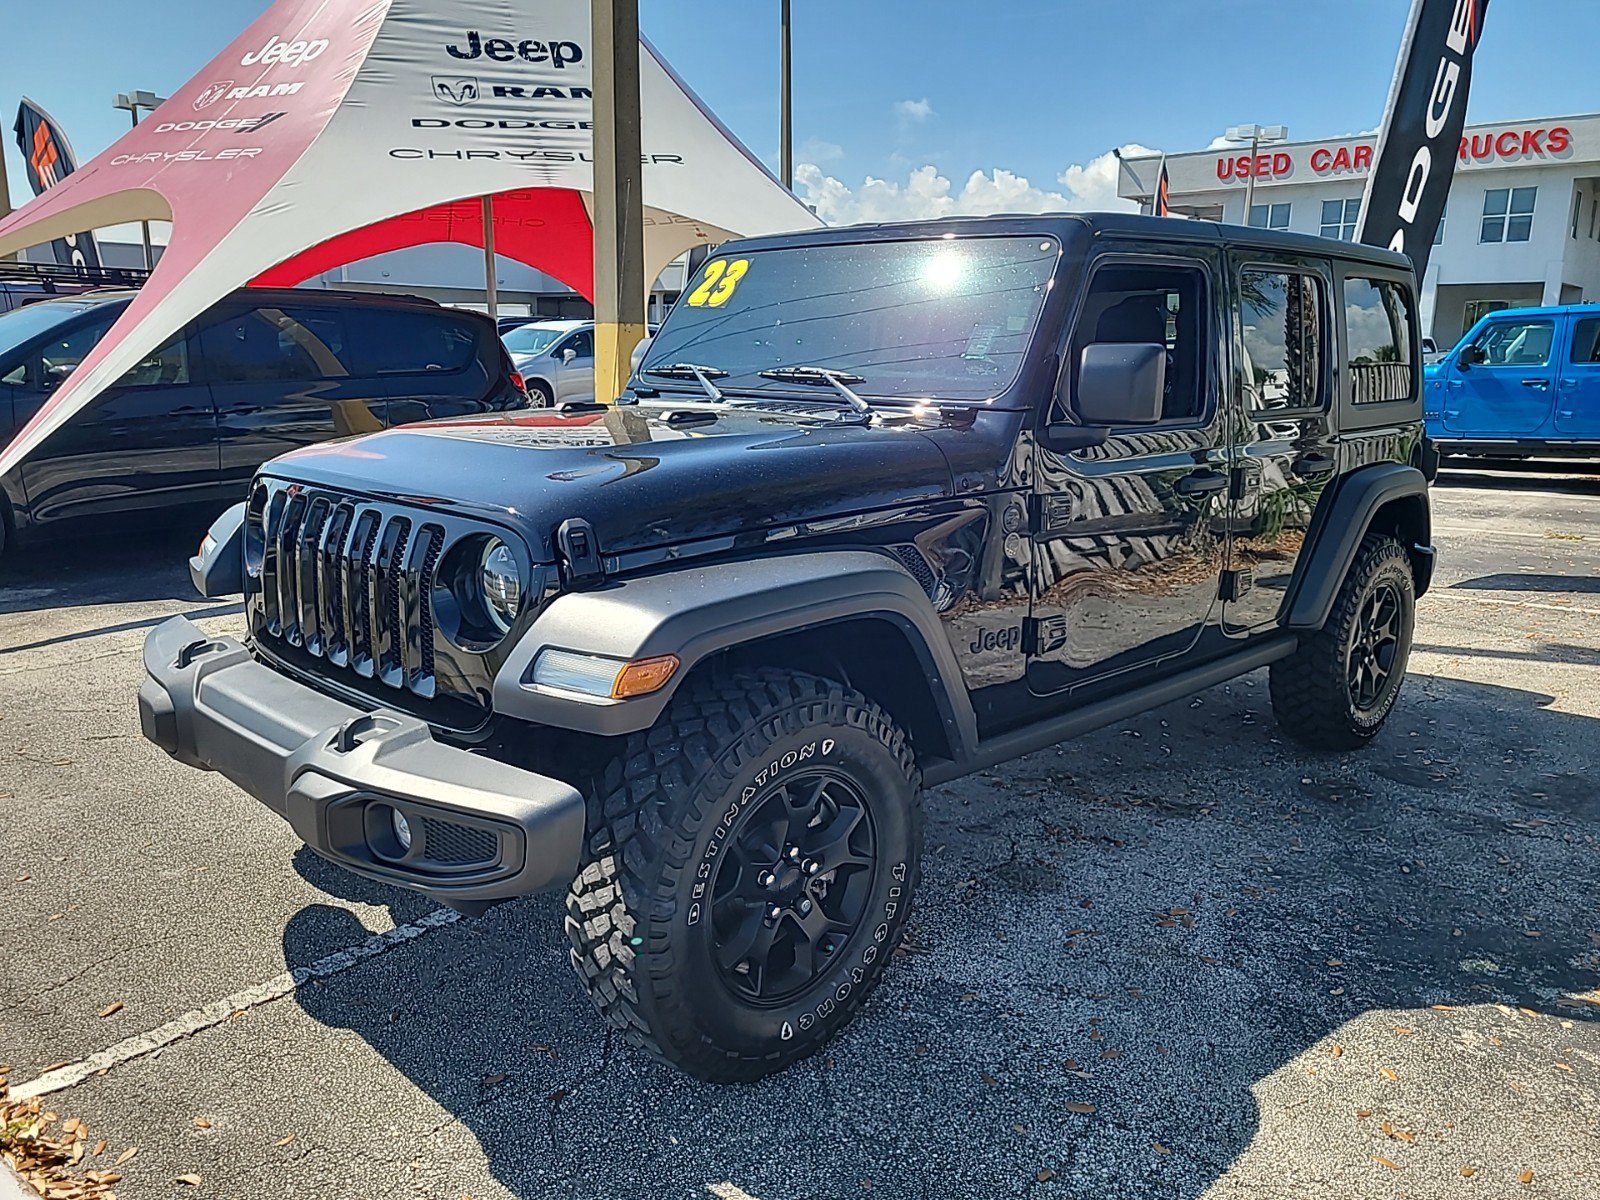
pixel 1178 958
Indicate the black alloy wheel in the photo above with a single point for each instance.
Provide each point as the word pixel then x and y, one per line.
pixel 1374 647
pixel 792 889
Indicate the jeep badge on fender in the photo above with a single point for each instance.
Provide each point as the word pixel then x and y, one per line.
pixel 694 660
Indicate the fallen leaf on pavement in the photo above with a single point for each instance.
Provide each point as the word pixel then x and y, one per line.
pixel 491 1080
pixel 188 1180
pixel 100 1147
pixel 110 1010
pixel 1561 1066
pixel 1045 1175
pixel 1386 1162
pixel 988 1079
pixel 127 1155
pixel 1160 1149
pixel 1079 1106
pixel 202 1122
pixel 1468 1172
pixel 284 1141
pixel 1402 1031
pixel 1388 1074
pixel 1363 1113
pixel 1525 1177
pixel 1336 1050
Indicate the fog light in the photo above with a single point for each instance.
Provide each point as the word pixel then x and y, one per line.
pixel 402 828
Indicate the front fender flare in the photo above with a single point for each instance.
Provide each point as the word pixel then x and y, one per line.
pixel 695 612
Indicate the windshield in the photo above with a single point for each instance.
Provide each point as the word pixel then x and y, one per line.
pixel 25 324
pixel 533 339
pixel 943 318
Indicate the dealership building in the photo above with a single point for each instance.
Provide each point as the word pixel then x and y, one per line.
pixel 1522 225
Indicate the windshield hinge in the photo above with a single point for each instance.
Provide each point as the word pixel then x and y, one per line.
pixel 580 552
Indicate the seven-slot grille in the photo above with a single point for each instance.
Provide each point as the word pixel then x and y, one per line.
pixel 348 581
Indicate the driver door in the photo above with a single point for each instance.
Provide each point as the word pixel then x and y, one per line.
pixel 575 379
pixel 1129 536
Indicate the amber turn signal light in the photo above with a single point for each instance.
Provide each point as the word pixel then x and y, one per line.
pixel 645 676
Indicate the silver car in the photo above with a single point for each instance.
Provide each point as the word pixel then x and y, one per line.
pixel 555 359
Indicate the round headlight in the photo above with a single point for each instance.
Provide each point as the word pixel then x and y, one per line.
pixel 502 585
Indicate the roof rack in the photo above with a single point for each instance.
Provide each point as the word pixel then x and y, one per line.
pixel 49 274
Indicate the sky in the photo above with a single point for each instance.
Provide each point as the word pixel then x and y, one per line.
pixel 914 108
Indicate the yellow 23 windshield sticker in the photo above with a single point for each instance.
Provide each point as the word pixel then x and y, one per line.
pixel 720 282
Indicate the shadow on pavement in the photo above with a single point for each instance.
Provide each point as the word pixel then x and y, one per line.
pixel 1517 581
pixel 1577 479
pixel 121 562
pixel 1312 890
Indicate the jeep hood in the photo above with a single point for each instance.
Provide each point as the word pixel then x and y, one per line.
pixel 641 477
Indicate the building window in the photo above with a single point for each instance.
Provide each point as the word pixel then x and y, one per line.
pixel 1508 214
pixel 1281 322
pixel 1577 212
pixel 1438 234
pixel 1339 218
pixel 1377 315
pixel 1269 216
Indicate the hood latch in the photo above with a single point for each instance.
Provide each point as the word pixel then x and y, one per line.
pixel 580 552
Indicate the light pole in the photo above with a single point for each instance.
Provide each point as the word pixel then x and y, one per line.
pixel 786 102
pixel 132 103
pixel 1257 136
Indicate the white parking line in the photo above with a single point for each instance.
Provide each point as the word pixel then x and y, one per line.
pixel 192 1022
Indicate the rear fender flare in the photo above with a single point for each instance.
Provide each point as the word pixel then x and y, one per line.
pixel 698 612
pixel 1338 528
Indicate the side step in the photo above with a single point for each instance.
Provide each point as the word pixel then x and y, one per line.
pixel 1026 740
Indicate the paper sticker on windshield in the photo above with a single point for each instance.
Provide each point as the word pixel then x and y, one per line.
pixel 721 280
pixel 980 341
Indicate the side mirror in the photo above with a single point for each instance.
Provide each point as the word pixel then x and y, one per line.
pixel 1471 356
pixel 569 356
pixel 1121 384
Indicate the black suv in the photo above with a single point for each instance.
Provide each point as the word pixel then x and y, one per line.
pixel 261 373
pixel 882 506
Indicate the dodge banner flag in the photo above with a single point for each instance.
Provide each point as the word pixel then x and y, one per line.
pixel 49 157
pixel 1421 138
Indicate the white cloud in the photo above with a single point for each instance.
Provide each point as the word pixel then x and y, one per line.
pixel 925 193
pixel 815 150
pixel 914 110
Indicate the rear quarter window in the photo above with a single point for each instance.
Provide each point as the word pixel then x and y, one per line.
pixel 400 342
pixel 1379 324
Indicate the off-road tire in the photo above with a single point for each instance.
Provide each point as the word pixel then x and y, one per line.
pixel 1311 690
pixel 666 816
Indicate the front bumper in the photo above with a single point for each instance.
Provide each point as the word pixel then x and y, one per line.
pixel 481 831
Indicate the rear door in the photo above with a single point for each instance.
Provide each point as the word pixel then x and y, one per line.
pixel 281 376
pixel 427 362
pixel 1286 452
pixel 148 441
pixel 1511 392
pixel 1578 386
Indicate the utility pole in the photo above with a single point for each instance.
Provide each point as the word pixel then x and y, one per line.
pixel 491 283
pixel 619 282
pixel 786 104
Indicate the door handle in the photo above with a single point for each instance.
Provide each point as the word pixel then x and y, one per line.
pixel 1308 465
pixel 1541 384
pixel 1200 483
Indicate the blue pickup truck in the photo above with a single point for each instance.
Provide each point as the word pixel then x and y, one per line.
pixel 1523 383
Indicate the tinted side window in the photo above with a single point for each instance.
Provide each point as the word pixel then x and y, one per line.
pixel 60 356
pixel 1377 317
pixel 274 344
pixel 1586 340
pixel 1283 341
pixel 1516 343
pixel 1163 305
pixel 582 343
pixel 396 342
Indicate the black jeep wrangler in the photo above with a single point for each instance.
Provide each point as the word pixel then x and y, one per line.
pixel 882 506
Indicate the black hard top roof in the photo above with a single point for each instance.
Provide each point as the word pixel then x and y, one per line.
pixel 105 296
pixel 1097 224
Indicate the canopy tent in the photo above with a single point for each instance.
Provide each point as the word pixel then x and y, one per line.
pixel 332 130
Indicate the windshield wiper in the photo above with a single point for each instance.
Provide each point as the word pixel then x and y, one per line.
pixel 701 375
pixel 839 381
